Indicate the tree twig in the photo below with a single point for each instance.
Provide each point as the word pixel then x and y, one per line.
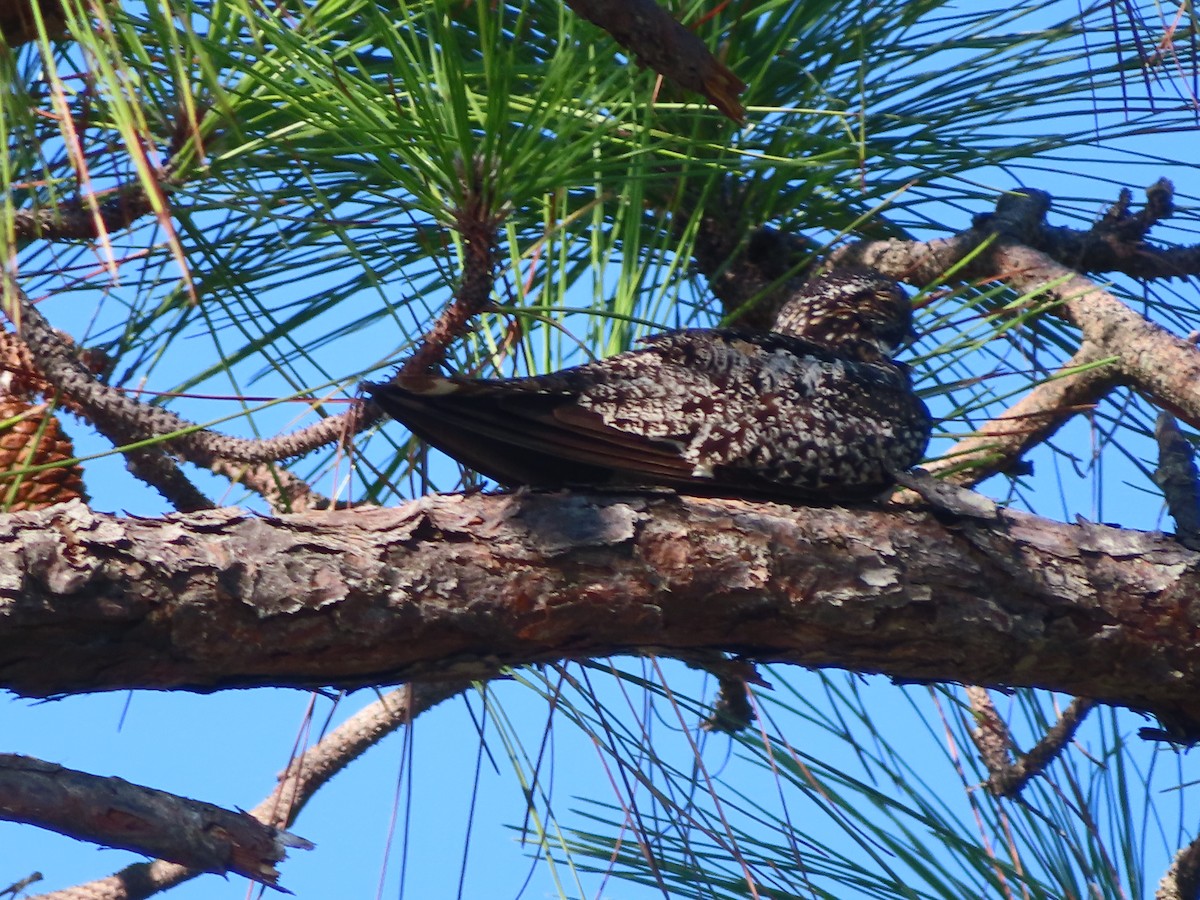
pixel 1008 775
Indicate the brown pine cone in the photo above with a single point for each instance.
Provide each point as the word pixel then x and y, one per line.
pixel 31 436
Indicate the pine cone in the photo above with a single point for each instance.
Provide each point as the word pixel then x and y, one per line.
pixel 30 436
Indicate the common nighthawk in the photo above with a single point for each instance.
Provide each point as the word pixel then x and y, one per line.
pixel 814 410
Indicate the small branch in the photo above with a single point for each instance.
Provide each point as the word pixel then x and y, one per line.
pixel 476 222
pixel 1182 881
pixel 998 444
pixel 995 743
pixel 125 421
pixel 19 886
pixel 284 491
pixel 658 41
pixel 992 738
pixel 77 220
pixel 116 813
pixel 303 777
pixel 1019 219
pixel 1180 482
pixel 57 362
pixel 315 767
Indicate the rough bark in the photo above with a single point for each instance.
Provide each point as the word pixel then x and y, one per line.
pixel 120 814
pixel 451 586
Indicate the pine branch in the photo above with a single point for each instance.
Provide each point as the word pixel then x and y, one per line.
pixel 1032 420
pixel 452 586
pixel 116 813
pixel 1163 367
pixel 658 41
pixel 303 777
pixel 995 743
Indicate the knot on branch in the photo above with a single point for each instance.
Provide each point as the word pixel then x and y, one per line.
pixel 1120 225
pixel 1117 242
pixel 1020 215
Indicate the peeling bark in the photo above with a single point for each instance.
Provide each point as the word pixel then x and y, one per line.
pixel 450 586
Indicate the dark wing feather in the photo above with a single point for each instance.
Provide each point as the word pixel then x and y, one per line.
pixel 521 436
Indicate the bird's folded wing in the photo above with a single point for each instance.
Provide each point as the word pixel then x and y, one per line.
pixel 521 436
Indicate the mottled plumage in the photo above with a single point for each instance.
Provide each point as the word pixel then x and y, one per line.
pixel 815 410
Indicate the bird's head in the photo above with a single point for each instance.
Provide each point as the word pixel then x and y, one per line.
pixel 859 312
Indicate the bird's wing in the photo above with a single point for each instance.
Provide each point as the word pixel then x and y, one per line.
pixel 524 435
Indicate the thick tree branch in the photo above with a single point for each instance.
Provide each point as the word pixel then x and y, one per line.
pixel 116 813
pixel 449 586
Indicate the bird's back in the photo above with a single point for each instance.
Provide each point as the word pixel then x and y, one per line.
pixel 714 411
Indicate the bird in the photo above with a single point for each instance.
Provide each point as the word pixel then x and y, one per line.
pixel 815 410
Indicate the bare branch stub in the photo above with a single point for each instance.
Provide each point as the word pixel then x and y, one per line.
pixel 299 782
pixel 658 41
pixel 116 813
pixel 1116 243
